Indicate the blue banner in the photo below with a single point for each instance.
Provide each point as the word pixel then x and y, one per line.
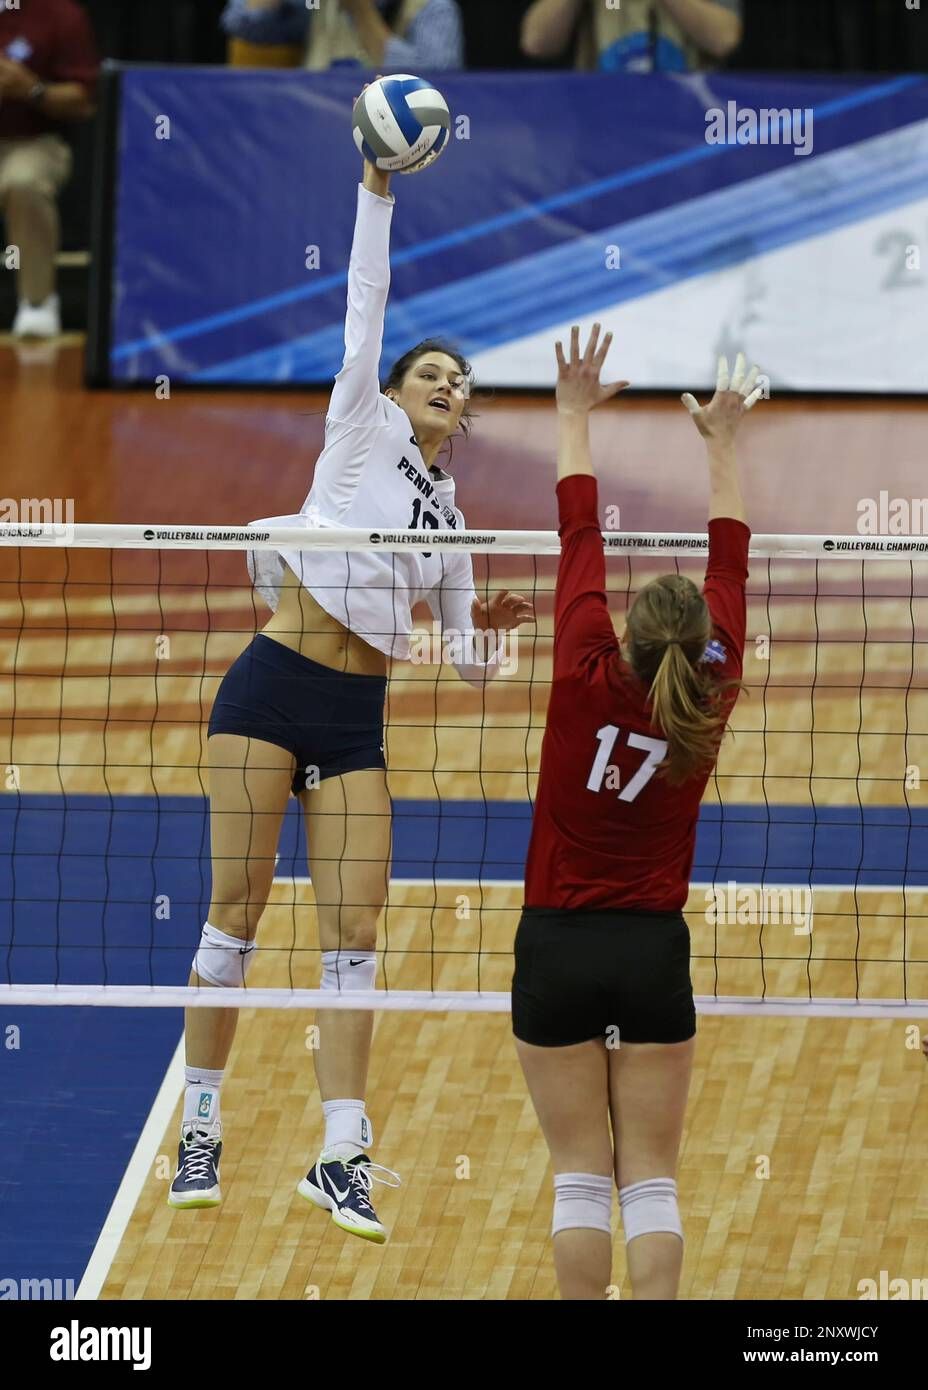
pixel 686 211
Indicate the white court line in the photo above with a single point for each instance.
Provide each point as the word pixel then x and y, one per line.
pixel 695 887
pixel 130 1189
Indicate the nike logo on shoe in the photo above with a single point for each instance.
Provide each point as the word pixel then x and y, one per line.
pixel 340 1195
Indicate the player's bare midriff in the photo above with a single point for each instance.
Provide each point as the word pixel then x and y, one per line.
pixel 301 624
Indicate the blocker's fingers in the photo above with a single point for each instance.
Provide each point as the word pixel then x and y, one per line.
pixel 721 380
pixel 590 353
pixel 603 350
pixel 575 345
pixel 737 376
pixel 754 397
pixel 747 386
pixel 691 403
pixel 560 357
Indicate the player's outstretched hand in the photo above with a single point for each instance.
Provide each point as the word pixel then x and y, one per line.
pixel 719 420
pixel 505 610
pixel 578 385
pixel 373 179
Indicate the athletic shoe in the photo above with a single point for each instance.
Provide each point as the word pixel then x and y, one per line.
pixel 344 1189
pixel 38 320
pixel 197 1180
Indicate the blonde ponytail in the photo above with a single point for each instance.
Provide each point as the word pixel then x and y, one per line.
pixel 669 626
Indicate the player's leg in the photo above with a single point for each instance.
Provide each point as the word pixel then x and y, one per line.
pixel 560 1024
pixel 249 783
pixel 569 1089
pixel 348 830
pixel 649 1084
pixel 649 1078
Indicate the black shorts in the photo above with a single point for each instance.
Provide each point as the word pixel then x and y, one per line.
pixel 579 975
pixel 328 720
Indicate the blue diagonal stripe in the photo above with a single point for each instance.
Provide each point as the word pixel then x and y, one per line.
pixel 686 240
pixel 502 222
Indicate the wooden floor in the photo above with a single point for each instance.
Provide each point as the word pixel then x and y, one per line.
pixel 839 1108
pixel 835 1111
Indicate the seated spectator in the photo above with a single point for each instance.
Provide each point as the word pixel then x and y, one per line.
pixel 636 36
pixel 400 34
pixel 48 74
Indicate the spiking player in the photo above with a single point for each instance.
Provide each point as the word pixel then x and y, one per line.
pixel 302 709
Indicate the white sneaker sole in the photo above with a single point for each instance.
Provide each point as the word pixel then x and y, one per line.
pixel 212 1197
pixel 376 1234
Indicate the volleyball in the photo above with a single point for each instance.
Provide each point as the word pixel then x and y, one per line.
pixel 400 123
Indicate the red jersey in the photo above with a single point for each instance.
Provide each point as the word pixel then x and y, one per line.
pixel 626 841
pixel 53 39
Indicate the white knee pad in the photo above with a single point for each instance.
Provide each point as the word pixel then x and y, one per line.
pixel 582 1200
pixel 348 969
pixel 221 959
pixel 649 1207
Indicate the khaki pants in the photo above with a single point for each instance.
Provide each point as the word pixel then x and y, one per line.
pixel 32 172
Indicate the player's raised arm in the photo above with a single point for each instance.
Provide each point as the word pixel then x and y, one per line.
pixel 355 398
pixel 718 424
pixel 727 566
pixel 582 626
pixel 578 392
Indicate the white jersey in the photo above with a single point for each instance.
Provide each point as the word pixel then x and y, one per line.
pixel 371 474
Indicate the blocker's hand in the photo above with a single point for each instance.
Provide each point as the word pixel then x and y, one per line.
pixel 578 386
pixel 504 611
pixel 719 420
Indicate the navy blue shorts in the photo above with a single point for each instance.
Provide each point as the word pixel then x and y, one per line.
pixel 327 719
pixel 579 975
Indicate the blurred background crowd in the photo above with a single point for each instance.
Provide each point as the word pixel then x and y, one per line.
pixel 51 51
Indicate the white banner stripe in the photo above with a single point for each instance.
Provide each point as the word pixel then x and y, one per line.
pixel 94 536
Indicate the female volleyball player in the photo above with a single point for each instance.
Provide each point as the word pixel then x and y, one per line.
pixel 602 1004
pixel 302 710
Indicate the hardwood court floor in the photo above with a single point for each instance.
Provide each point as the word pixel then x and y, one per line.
pixel 801 1171
pixel 838 1107
pixel 834 1111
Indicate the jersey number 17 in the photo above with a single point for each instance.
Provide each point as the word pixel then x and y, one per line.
pixel 607 735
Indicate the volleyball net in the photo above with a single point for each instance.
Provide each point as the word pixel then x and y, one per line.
pixel 810 881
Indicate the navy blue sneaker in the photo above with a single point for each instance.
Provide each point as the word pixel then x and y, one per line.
pixel 197 1180
pixel 344 1190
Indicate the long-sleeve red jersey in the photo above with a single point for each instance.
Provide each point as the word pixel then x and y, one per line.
pixel 600 840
